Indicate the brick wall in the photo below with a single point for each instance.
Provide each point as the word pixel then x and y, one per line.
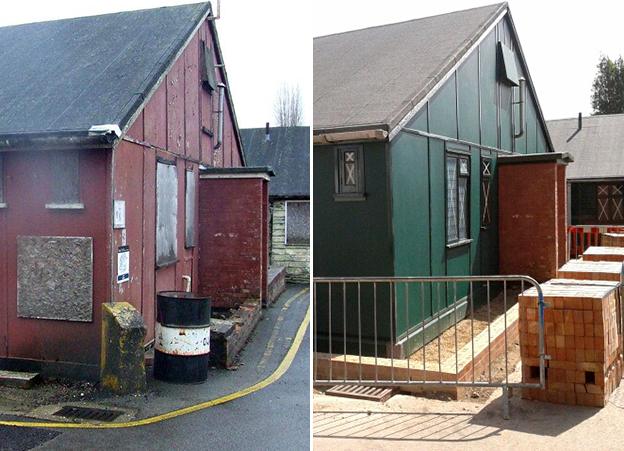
pixel 232 240
pixel 295 258
pixel 532 212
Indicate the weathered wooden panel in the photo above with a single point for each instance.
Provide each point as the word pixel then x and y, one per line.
pixel 295 258
pixel 175 108
pixel 57 340
pixel 55 278
pixel 191 99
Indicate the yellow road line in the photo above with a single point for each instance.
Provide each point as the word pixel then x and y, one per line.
pixel 273 377
pixel 276 329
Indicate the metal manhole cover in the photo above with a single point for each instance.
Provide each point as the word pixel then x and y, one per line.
pixel 88 413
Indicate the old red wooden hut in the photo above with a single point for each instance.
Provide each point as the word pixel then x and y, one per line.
pixel 105 125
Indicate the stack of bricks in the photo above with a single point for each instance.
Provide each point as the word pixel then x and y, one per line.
pixel 591 270
pixel 580 336
pixel 612 239
pixel 604 254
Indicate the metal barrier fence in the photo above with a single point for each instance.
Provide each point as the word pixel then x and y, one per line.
pixel 381 331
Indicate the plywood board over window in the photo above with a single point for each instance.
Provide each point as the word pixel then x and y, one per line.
pixel 55 278
pixel 298 222
pixel 166 213
pixel 190 206
pixel 65 189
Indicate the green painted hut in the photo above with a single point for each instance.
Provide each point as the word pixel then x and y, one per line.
pixel 409 119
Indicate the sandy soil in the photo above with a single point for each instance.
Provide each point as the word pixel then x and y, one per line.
pixel 467 329
pixel 410 422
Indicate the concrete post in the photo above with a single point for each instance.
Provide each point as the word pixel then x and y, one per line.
pixel 122 368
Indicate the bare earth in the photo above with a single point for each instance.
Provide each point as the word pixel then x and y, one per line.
pixel 410 422
pixel 468 328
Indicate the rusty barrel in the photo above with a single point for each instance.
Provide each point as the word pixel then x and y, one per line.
pixel 182 343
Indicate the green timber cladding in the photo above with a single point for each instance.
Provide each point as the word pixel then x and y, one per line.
pixel 399 228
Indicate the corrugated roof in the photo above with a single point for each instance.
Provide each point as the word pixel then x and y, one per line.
pixel 597 148
pixel 74 73
pixel 287 152
pixel 375 76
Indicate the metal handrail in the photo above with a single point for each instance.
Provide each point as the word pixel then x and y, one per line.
pixel 343 281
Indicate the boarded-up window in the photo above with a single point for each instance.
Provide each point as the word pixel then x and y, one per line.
pixel 297 222
pixel 190 205
pixel 55 278
pixel 208 68
pixel 457 200
pixel 65 173
pixel 166 213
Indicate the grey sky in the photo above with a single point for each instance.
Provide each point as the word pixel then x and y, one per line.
pixel 265 43
pixel 562 40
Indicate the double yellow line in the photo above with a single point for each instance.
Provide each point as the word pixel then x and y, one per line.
pixel 278 373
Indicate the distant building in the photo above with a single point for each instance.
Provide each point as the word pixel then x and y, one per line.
pixel 596 178
pixel 287 151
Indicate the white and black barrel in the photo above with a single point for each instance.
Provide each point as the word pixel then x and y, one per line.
pixel 182 343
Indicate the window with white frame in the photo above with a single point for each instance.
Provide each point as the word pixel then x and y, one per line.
pixel 297 222
pixel 457 198
pixel 166 213
pixel 65 173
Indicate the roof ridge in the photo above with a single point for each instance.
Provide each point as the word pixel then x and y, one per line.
pixel 500 4
pixel 591 116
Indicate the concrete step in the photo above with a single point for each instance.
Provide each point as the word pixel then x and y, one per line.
pixel 18 379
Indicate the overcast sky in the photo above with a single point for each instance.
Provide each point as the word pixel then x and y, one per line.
pixel 562 40
pixel 265 43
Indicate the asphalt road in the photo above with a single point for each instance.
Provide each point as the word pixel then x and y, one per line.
pixel 275 418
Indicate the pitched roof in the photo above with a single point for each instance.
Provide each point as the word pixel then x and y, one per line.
pixel 71 74
pixel 287 152
pixel 597 147
pixel 375 76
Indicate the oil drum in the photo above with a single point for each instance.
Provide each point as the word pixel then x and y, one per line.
pixel 182 338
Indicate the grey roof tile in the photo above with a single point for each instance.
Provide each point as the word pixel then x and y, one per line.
pixel 74 73
pixel 597 148
pixel 287 152
pixel 374 76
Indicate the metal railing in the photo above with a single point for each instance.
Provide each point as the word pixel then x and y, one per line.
pixel 583 236
pixel 381 331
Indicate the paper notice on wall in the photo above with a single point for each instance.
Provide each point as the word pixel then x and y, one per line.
pixel 119 216
pixel 123 264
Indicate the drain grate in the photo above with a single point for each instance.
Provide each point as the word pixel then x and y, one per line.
pixel 361 392
pixel 88 413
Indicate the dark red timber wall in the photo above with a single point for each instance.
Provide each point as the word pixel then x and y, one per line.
pixel 26 215
pixel 233 243
pixel 532 214
pixel 169 127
